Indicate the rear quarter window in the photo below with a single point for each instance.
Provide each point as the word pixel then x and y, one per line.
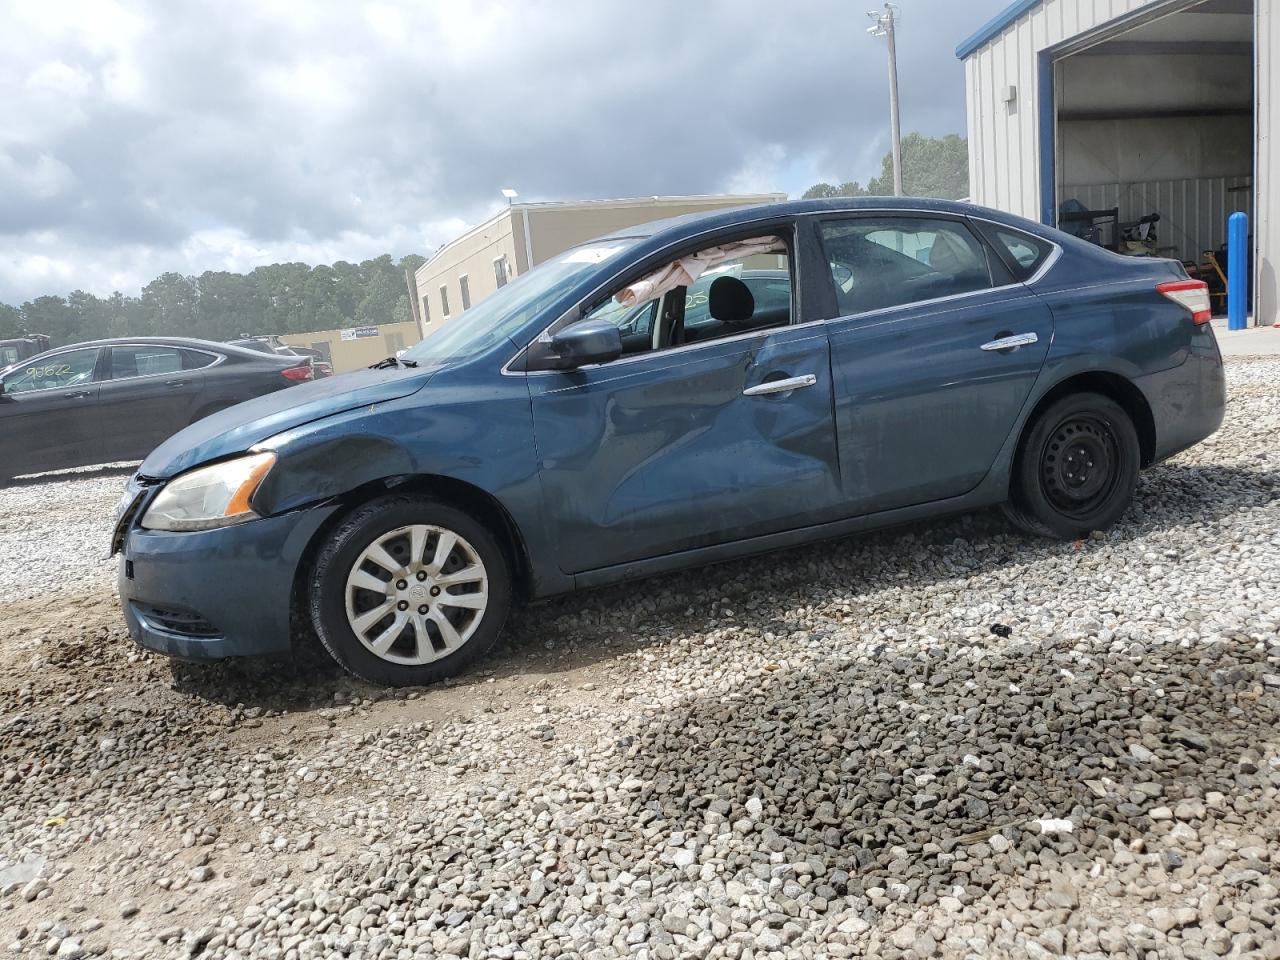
pixel 195 359
pixel 1021 252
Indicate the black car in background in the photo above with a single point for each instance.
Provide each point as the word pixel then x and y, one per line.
pixel 273 344
pixel 115 400
pixel 319 362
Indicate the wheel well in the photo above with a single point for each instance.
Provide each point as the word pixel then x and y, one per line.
pixel 479 504
pixel 1115 387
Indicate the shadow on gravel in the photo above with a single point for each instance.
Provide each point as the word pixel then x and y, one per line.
pixel 599 625
pixel 307 680
pixel 893 768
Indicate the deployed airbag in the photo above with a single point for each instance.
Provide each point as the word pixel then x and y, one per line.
pixel 684 271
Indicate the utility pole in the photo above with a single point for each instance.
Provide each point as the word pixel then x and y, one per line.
pixel 884 27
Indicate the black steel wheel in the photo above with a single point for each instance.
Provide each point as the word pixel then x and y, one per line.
pixel 1076 468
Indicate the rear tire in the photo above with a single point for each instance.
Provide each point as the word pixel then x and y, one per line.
pixel 408 590
pixel 1076 468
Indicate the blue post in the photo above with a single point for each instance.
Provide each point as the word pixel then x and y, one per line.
pixel 1237 271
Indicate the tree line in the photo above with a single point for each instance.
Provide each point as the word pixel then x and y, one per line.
pixel 931 167
pixel 218 305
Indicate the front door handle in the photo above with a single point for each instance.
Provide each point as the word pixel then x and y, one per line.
pixel 175 383
pixel 780 386
pixel 1011 342
pixel 78 395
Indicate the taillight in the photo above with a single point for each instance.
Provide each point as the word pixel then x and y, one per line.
pixel 297 374
pixel 1191 294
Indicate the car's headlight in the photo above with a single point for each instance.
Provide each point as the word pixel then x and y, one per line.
pixel 209 497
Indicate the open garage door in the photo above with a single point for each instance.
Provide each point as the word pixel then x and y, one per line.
pixel 1155 117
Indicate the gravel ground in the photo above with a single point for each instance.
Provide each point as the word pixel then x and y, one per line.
pixel 54 528
pixel 821 753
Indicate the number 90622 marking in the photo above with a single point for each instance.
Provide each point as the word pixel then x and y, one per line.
pixel 52 370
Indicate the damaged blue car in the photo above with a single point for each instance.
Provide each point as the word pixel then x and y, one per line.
pixel 673 395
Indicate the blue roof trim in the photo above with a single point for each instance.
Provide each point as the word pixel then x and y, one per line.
pixel 994 26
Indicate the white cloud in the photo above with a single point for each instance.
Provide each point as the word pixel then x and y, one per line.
pixel 59 79
pixel 41 177
pixel 761 172
pixel 154 136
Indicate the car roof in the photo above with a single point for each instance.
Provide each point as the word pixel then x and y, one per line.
pixel 187 343
pixel 731 216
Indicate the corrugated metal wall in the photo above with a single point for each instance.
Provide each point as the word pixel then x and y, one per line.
pixel 1004 138
pixel 1266 225
pixel 1193 213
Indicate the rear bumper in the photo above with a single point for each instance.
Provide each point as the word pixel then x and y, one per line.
pixel 1187 401
pixel 215 593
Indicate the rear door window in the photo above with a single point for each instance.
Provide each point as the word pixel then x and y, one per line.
pixel 144 361
pixel 879 262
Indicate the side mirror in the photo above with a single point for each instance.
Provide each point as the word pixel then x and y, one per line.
pixel 579 344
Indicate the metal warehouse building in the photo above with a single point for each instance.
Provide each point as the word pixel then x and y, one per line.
pixel 1105 111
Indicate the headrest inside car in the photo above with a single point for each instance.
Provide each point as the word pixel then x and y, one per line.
pixel 730 301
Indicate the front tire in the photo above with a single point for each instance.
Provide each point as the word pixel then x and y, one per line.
pixel 1076 468
pixel 408 590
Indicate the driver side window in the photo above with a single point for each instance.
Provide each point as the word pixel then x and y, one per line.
pixel 61 370
pixel 887 262
pixel 709 294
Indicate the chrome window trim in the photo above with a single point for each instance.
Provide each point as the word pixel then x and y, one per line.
pixel 50 356
pixel 950 298
pixel 218 358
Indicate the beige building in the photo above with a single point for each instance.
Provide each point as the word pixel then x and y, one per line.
pixel 466 270
pixel 355 347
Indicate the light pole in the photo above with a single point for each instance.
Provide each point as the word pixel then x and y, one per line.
pixel 883 27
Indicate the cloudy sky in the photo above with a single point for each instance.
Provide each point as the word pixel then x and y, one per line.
pixel 137 138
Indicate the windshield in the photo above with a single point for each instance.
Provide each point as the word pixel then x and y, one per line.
pixel 501 314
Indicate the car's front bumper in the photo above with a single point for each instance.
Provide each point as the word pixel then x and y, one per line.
pixel 216 593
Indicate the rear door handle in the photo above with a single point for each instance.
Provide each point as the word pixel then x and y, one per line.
pixel 175 383
pixel 1011 342
pixel 78 395
pixel 780 386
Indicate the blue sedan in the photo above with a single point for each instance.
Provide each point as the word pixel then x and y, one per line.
pixel 674 395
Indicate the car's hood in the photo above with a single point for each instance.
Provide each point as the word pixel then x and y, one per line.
pixel 237 428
